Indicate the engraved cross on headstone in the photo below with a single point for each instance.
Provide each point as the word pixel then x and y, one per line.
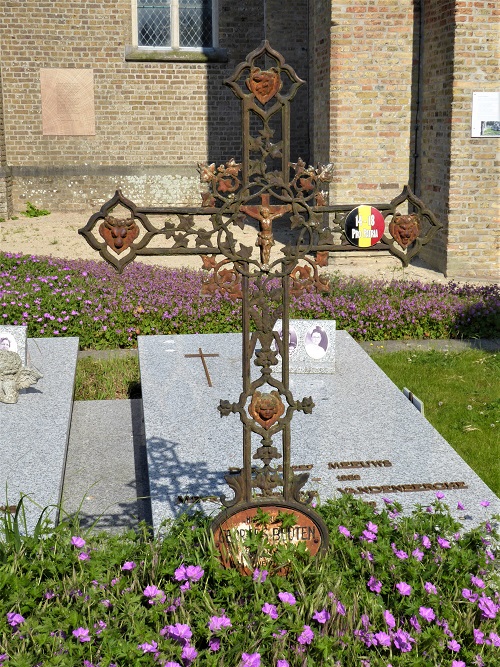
pixel 203 356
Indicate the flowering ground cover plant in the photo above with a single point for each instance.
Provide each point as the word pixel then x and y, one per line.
pixel 391 591
pixel 56 297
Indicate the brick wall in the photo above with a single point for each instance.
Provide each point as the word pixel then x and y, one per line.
pixel 474 198
pixel 459 175
pixel 154 120
pixel 371 101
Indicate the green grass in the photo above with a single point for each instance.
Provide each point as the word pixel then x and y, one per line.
pixel 461 394
pixel 107 379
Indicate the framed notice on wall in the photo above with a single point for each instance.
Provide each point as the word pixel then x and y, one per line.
pixel 485 115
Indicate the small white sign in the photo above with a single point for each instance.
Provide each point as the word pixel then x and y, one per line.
pixel 485 114
pixel 13 339
pixel 414 400
pixel 311 346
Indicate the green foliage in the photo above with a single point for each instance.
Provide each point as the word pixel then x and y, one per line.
pixel 33 212
pixel 326 617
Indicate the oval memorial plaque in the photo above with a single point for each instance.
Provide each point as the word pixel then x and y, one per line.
pixel 233 527
pixel 364 226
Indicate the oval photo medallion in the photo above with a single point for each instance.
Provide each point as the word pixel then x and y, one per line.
pixel 364 226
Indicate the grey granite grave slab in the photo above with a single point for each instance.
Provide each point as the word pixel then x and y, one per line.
pixel 34 431
pixel 106 475
pixel 362 426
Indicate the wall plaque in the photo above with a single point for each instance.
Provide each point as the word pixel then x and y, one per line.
pixel 67 101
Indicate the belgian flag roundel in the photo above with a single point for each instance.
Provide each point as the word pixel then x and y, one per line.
pixel 364 226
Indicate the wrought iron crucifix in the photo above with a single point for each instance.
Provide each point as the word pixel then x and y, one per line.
pixel 264 186
pixel 265 214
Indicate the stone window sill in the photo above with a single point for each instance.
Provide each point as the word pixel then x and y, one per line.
pixel 136 54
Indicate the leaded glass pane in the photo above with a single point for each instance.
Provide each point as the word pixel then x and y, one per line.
pixel 195 23
pixel 153 22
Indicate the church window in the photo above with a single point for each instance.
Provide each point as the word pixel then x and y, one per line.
pixel 176 24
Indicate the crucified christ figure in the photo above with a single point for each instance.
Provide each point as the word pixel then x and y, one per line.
pixel 265 214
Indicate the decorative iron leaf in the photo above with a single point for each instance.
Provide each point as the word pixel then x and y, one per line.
pixel 306 405
pixel 296 221
pixel 245 251
pixel 225 408
pixel 186 223
pixel 181 241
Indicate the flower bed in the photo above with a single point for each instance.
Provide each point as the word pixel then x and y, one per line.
pixel 391 591
pixel 56 297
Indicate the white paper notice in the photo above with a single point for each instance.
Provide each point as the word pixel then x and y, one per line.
pixel 485 115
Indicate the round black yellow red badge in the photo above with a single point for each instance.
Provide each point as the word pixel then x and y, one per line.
pixel 364 226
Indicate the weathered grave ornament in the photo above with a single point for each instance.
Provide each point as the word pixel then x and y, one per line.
pixel 14 376
pixel 264 187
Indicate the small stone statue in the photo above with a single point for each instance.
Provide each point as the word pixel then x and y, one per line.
pixel 14 376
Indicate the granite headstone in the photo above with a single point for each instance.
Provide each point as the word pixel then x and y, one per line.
pixel 34 431
pixel 363 436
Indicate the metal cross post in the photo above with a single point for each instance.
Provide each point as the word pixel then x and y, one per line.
pixel 264 186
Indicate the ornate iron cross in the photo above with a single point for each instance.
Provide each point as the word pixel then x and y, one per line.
pixel 264 186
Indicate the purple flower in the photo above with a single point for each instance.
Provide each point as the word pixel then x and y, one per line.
pixel 383 639
pixel 83 555
pixel 374 585
pixel 214 643
pixel 216 623
pixel 402 555
pixel 82 634
pixel 430 588
pixel 340 608
pixel 368 536
pixel 403 641
pixel 488 608
pixel 476 581
pixel 478 636
pixel 495 639
pixel 154 594
pixel 454 646
pixel 172 663
pixel 260 575
pixel 321 616
pixel 14 619
pixel 389 619
pixel 78 542
pixel 426 542
pixel 179 632
pixel 129 565
pixel 469 595
pixel 282 663
pixel 344 531
pixel 147 648
pixel 460 506
pixel 189 573
pixel 194 572
pixel 306 636
pixel 189 653
pixel 372 527
pixel 416 553
pixel 485 503
pixel 250 660
pixel 403 588
pixel 427 613
pixel 415 624
pixel 458 663
pixel 287 598
pixel 440 495
pixel 444 544
pixel 270 610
